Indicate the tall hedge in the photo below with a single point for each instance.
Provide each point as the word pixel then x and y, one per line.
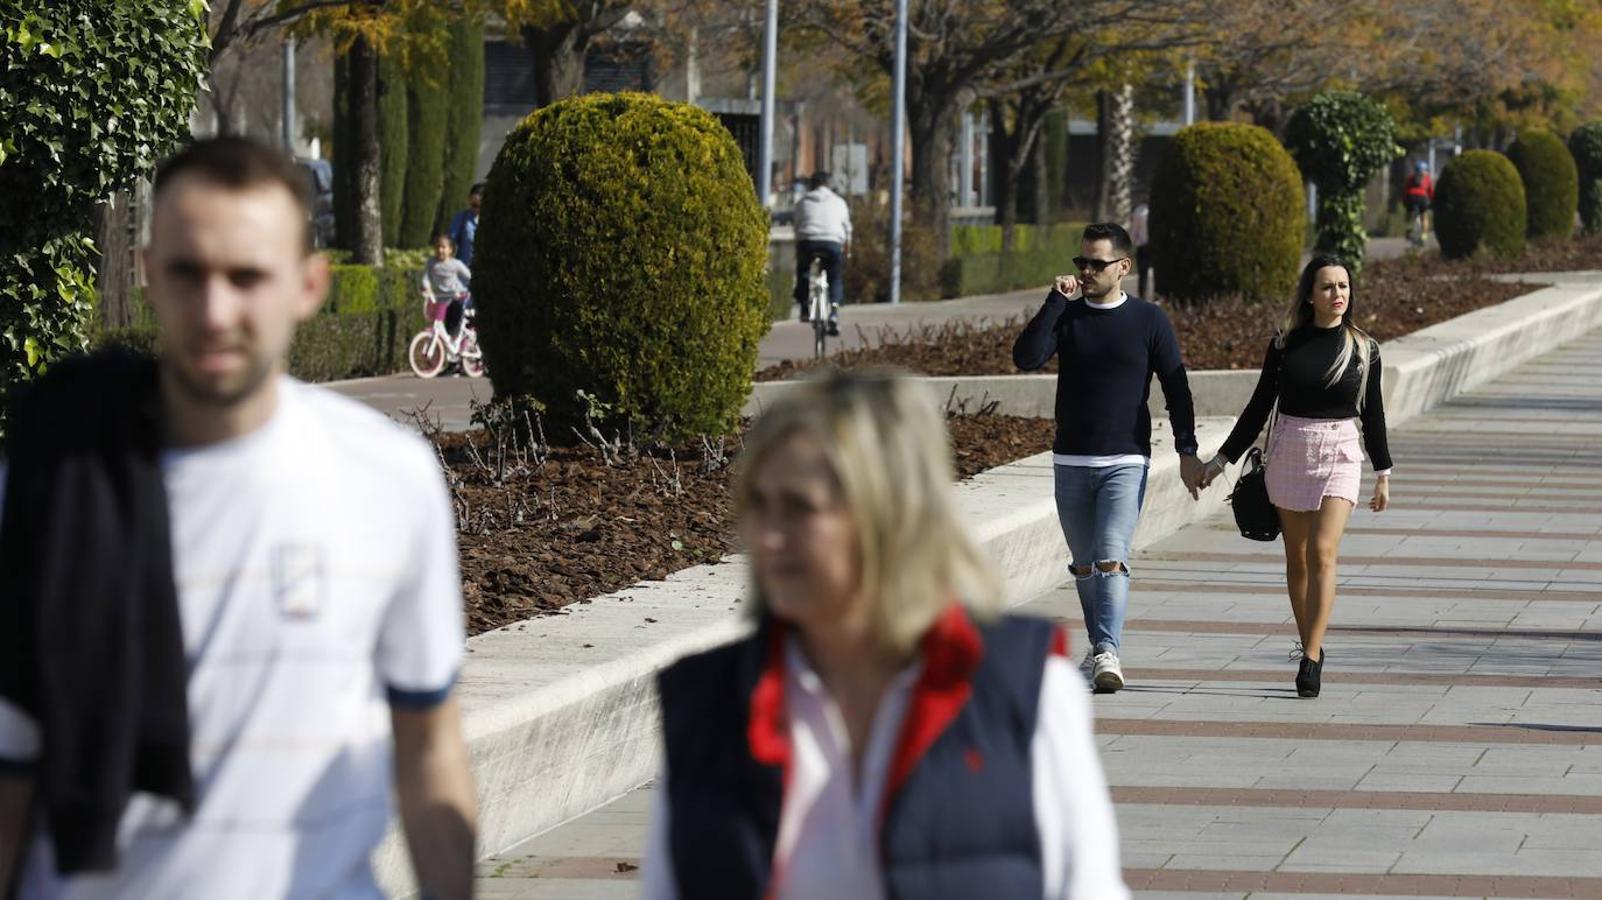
pixel 621 259
pixel 1479 206
pixel 1340 139
pixel 1586 146
pixel 464 118
pixel 426 116
pixel 93 93
pixel 393 144
pixel 1226 214
pixel 1551 183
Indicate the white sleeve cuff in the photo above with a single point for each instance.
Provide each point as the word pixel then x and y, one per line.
pixel 19 735
pixel 1379 472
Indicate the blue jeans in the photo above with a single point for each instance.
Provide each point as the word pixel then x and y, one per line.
pixel 1098 509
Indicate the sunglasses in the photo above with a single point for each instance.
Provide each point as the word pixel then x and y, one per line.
pixel 1092 266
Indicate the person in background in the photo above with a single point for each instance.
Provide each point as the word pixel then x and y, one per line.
pixel 230 612
pixel 884 731
pixel 822 231
pixel 1140 235
pixel 1418 194
pixel 1109 345
pixel 464 225
pixel 1323 372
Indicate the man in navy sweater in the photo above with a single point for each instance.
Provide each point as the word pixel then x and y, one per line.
pixel 1109 344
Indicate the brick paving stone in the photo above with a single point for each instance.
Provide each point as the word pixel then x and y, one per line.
pixel 1457 750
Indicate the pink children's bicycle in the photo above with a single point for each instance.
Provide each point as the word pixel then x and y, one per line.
pixel 433 349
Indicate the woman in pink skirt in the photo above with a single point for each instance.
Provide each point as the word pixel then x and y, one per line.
pixel 1324 374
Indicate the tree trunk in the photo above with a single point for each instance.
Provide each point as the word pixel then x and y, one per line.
pixel 1220 102
pixel 1117 137
pixel 558 57
pixel 367 245
pixel 1042 204
pixel 1098 209
pixel 344 182
pixel 929 128
pixel 114 272
pixel 1006 174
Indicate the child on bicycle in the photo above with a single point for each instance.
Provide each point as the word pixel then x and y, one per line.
pixel 446 280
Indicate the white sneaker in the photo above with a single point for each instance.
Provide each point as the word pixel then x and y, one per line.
pixel 1088 664
pixel 1109 676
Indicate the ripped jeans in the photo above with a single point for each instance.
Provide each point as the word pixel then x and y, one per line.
pixel 1098 509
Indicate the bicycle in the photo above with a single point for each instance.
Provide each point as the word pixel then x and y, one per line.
pixel 818 307
pixel 433 348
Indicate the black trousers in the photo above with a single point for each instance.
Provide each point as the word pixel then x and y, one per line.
pixel 833 257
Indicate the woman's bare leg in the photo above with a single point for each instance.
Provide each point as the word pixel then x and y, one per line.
pixel 1323 550
pixel 1297 529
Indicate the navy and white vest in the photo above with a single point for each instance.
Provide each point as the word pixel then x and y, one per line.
pixel 958 819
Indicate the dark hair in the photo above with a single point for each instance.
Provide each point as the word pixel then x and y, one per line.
pixel 819 179
pixel 477 188
pixel 239 163
pixel 442 236
pixel 1110 231
pixel 1304 286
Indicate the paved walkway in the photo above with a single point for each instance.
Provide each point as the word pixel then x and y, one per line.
pixel 1457 749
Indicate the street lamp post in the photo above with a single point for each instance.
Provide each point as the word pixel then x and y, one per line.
pixel 898 149
pixel 770 53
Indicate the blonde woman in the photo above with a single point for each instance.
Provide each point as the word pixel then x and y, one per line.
pixel 1324 373
pixel 884 731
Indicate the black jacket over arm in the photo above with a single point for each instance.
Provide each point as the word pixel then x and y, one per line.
pixel 91 646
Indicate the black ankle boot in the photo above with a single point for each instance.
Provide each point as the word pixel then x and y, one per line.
pixel 1310 677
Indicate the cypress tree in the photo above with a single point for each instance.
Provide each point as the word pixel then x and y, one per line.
pixel 426 97
pixel 392 114
pixel 464 118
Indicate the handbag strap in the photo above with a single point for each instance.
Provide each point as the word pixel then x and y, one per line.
pixel 1273 414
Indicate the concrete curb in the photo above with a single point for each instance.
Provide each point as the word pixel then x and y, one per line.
pixel 1221 392
pixel 1435 364
pixel 565 722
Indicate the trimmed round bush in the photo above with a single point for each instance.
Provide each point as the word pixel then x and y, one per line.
pixel 1585 145
pixel 1551 183
pixel 1226 214
pixel 619 267
pixel 1479 206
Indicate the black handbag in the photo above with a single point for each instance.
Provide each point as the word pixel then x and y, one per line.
pixel 1255 516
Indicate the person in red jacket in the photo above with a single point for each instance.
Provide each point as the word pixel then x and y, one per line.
pixel 1417 195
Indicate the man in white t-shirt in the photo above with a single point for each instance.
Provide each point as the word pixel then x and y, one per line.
pixel 314 561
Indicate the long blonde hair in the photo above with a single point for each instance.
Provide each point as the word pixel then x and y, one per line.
pixel 1357 340
pixel 891 455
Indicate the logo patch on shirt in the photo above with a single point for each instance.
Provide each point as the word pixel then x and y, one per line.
pixel 298 580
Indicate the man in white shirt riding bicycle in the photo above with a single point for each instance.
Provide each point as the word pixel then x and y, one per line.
pixel 823 232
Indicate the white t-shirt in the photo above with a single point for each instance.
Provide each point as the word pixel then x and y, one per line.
pixel 827 844
pixel 315 561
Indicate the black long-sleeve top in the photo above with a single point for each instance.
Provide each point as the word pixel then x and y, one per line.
pixel 1106 360
pixel 1298 377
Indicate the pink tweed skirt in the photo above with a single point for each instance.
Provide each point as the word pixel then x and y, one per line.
pixel 1310 459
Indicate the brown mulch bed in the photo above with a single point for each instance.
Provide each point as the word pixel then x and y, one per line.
pixel 540 530
pixel 1394 297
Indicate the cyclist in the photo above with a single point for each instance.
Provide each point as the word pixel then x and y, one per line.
pixel 823 232
pixel 1417 195
pixel 446 280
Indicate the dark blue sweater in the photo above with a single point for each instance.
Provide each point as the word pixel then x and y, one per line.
pixel 1107 358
